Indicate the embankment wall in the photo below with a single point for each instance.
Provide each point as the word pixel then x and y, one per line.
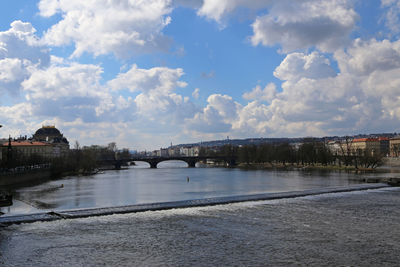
pixel 24 177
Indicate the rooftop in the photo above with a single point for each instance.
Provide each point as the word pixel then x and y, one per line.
pixel 25 143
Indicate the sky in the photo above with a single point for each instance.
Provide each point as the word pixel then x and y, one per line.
pixel 148 73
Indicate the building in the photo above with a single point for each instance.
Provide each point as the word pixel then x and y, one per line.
pixel 47 142
pixel 51 135
pixel 190 151
pixel 394 146
pixel 163 152
pixel 174 151
pixel 385 146
pixel 372 145
pixel 28 148
pixel 335 147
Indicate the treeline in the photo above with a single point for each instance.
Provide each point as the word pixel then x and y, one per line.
pixel 18 159
pixel 85 160
pixel 309 153
pixel 82 160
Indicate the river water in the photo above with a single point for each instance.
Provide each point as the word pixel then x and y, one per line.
pixel 342 229
pixel 170 182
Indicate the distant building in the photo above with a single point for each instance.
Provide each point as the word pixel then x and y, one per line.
pixel 27 148
pixel 385 145
pixel 184 151
pixel 163 152
pixel 173 151
pixel 47 142
pixel 335 147
pixel 356 146
pixel 373 145
pixel 51 135
pixel 394 146
pixel 190 151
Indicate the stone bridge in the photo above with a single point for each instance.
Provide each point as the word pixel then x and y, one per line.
pixel 191 161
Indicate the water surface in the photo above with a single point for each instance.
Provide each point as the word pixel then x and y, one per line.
pixel 170 182
pixel 345 229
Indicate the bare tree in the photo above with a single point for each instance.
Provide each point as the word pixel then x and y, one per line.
pixel 77 145
pixel 346 148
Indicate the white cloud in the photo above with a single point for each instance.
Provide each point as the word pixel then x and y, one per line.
pixel 298 65
pixel 325 24
pixel 392 15
pixel 20 53
pixel 253 120
pixel 294 25
pixel 267 94
pixel 216 117
pixel 71 96
pixel 159 108
pixel 365 57
pixel 123 28
pixel 216 10
pixel 12 73
pixel 21 42
pixel 363 97
pixel 196 93
pixel 157 92
pixel 159 78
pixel 14 119
pixel 67 91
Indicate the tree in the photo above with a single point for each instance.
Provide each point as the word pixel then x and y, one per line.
pixel 77 145
pixel 346 148
pixel 124 154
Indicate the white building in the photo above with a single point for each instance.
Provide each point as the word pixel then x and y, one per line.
pixel 173 151
pixel 190 151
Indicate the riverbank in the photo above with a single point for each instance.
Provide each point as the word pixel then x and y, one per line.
pixel 315 167
pixel 36 176
pixel 16 178
pixel 340 229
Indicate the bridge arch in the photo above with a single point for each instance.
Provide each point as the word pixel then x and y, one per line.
pixel 142 164
pixel 175 163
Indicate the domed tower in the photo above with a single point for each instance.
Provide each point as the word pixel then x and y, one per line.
pixel 47 134
pixel 51 135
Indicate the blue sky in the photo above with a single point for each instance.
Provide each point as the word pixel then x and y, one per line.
pixel 147 73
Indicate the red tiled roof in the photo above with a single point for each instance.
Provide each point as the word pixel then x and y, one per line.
pixel 25 143
pixel 365 139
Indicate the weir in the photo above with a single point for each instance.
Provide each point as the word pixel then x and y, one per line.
pixel 83 213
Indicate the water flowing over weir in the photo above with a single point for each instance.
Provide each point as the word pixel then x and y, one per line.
pixel 358 228
pixel 82 213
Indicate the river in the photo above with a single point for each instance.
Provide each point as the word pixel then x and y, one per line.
pixel 171 181
pixel 341 229
pixel 338 229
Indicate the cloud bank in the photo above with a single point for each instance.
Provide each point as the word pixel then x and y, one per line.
pixel 326 84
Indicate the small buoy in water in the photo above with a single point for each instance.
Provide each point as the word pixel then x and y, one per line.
pixel 187 179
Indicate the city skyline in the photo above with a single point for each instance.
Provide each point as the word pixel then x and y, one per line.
pixel 147 73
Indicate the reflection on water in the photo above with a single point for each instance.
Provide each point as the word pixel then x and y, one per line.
pixel 169 182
